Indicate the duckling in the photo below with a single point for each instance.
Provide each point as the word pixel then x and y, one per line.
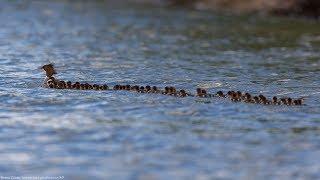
pixel 128 87
pixel 199 92
pixel 248 98
pixel 220 94
pixel 275 100
pixel 105 87
pixel 256 99
pixel 52 86
pixel 283 101
pixel 76 85
pixel 148 89
pixel 166 90
pixel 116 87
pixel 289 101
pixel 263 99
pixel 239 95
pixel 141 89
pixel 50 82
pixel 182 93
pixel 61 85
pixel 298 102
pixel 69 85
pixel 234 97
pixel 172 91
pixel 95 87
pixel 82 86
pixel 101 87
pixel 155 89
pixel 205 94
pixel 135 88
pixel 203 91
pixel 230 93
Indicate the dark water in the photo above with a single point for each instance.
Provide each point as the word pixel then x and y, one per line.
pixel 124 135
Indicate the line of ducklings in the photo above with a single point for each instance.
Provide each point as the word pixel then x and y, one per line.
pixel 235 96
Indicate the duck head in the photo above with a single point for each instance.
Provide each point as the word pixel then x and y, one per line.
pixel 49 69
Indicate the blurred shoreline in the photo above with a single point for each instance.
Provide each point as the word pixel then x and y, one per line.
pixel 307 8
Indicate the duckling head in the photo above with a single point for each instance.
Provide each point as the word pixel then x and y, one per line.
pixel 220 93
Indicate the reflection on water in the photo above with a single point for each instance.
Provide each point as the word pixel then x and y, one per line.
pixel 127 135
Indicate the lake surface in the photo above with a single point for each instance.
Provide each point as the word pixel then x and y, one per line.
pixel 125 135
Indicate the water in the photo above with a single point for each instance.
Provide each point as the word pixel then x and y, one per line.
pixel 124 135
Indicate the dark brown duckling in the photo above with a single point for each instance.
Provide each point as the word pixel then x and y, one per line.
pixel 298 102
pixel 128 87
pixel 230 93
pixel 95 87
pixel 172 91
pixel 135 88
pixel 52 86
pixel 148 89
pixel 69 85
pixel 82 86
pixel 116 87
pixel 248 98
pixel 199 92
pixel 105 87
pixel 76 85
pixel 234 97
pixel 155 89
pixel 283 101
pixel 51 82
pixel 256 99
pixel 205 94
pixel 220 94
pixel 87 86
pixel 263 99
pixel 274 100
pixel 101 87
pixel 166 90
pixel 61 85
pixel 203 91
pixel 239 94
pixel 289 101
pixel 141 89
pixel 182 93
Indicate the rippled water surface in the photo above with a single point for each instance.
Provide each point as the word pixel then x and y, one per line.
pixel 89 134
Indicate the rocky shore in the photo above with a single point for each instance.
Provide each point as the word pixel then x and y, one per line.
pixel 308 8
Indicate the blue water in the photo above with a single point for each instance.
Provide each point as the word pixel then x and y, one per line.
pixel 125 135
